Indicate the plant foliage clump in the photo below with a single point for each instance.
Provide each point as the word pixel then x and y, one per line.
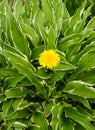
pixel 57 96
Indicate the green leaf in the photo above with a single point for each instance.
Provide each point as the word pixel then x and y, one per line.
pixel 1 116
pixel 78 127
pixel 87 12
pixel 68 41
pixel 78 117
pixel 39 119
pixel 31 33
pixel 51 44
pixel 19 114
pixel 65 12
pixel 6 106
pixel 11 49
pixel 12 81
pixel 9 72
pixel 76 17
pixel 26 104
pixel 46 8
pixel 88 77
pixel 79 26
pixel 18 9
pixel 85 63
pixel 91 24
pixel 3 21
pixel 67 125
pixel 38 19
pixel 15 93
pixel 80 99
pixel 19 125
pixel 43 34
pixel 19 39
pixel 17 59
pixel 56 76
pixel 57 111
pixel 47 107
pixel 59 10
pixel 37 51
pixel 2 6
pixel 41 73
pixel 2 98
pixel 64 66
pixel 16 103
pixel 80 88
pixel 35 127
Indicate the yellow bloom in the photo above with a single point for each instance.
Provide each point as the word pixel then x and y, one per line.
pixel 49 59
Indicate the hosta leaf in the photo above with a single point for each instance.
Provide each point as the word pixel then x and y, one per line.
pixel 41 73
pixel 15 93
pixel 78 117
pixel 85 63
pixel 64 66
pixel 67 125
pixel 57 110
pixel 17 58
pixel 79 26
pixel 85 112
pixel 65 12
pixel 79 127
pixel 2 6
pixel 19 114
pixel 35 6
pixel 46 8
pixel 6 106
pixel 43 34
pixel 1 116
pixel 91 24
pixel 16 103
pixel 87 12
pixel 11 49
pixel 88 48
pixel 35 127
pixel 69 41
pixel 19 125
pixel 37 51
pixel 19 39
pixel 51 39
pixel 65 26
pixel 38 19
pixel 31 33
pixel 59 10
pixel 2 97
pixel 39 119
pixel 48 107
pixel 56 76
pixel 9 72
pixel 75 48
pixel 12 81
pixel 88 77
pixel 80 99
pixel 25 104
pixel 31 76
pixel 78 14
pixel 18 9
pixel 80 88
pixel 76 18
pixel 27 8
pixel 8 24
pixel 3 21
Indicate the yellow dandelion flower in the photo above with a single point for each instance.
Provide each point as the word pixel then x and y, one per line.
pixel 49 59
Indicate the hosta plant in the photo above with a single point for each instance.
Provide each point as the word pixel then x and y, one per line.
pixel 47 66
